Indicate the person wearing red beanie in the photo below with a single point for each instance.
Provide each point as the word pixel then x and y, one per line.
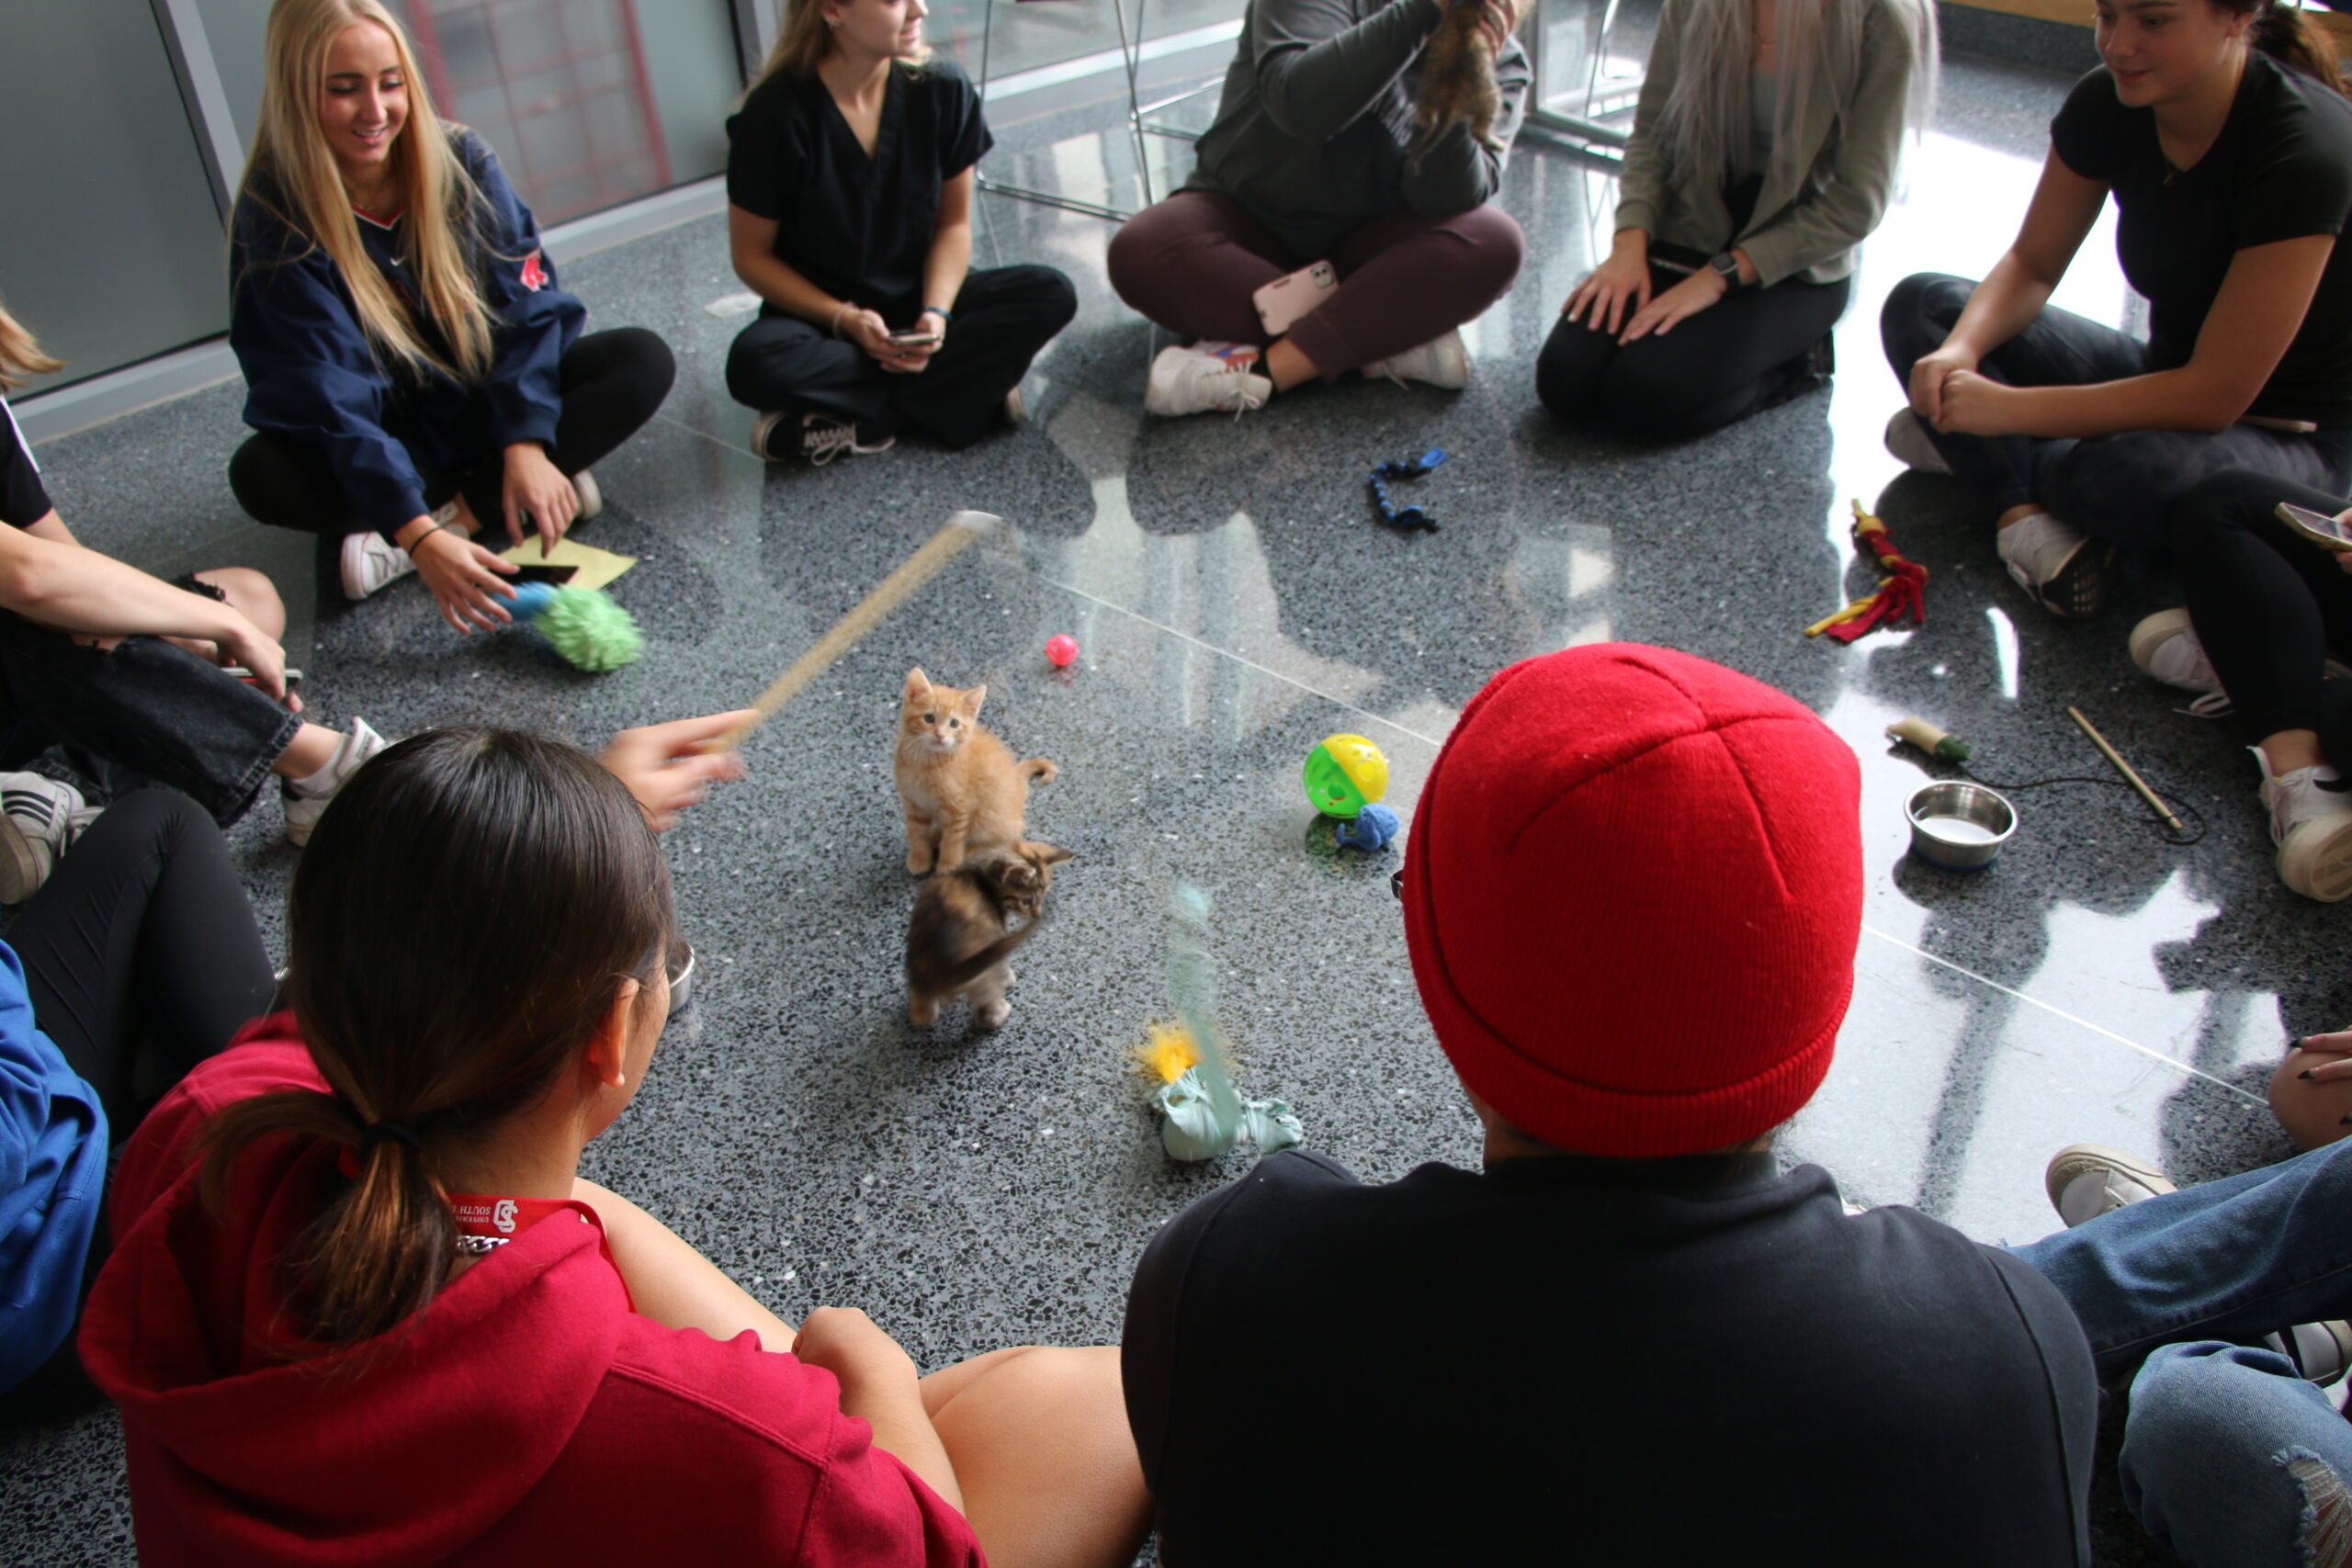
pixel 1632 897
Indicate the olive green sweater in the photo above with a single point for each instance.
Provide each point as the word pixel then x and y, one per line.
pixel 1809 221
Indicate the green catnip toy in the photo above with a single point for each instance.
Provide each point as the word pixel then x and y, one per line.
pixel 582 625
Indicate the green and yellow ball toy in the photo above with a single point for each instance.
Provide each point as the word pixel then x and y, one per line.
pixel 1345 773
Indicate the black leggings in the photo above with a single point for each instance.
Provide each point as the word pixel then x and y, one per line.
pixel 1716 366
pixel 2111 487
pixel 1004 316
pixel 141 934
pixel 612 383
pixel 2268 605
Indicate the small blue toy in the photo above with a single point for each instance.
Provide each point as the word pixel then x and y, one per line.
pixel 1409 518
pixel 582 625
pixel 1370 831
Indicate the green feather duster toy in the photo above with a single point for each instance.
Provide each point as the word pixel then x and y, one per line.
pixel 582 625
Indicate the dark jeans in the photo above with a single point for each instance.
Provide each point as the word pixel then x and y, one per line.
pixel 2268 605
pixel 2112 487
pixel 1192 262
pixel 1004 316
pixel 612 382
pixel 1716 366
pixel 109 719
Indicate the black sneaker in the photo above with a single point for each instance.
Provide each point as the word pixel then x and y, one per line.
pixel 816 438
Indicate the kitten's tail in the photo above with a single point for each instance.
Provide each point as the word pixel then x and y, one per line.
pixel 942 979
pixel 1040 768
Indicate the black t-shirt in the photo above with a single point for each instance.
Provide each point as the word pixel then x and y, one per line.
pixel 1580 1360
pixel 2282 169
pixel 23 502
pixel 857 227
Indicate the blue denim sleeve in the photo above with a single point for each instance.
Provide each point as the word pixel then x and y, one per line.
pixel 536 321
pixel 310 373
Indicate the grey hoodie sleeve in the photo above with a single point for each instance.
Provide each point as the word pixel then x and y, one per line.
pixel 1456 172
pixel 1318 68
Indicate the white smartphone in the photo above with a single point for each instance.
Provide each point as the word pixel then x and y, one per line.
pixel 1293 295
pixel 2316 526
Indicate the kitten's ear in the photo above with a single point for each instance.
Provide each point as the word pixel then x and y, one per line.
pixel 1019 873
pixel 1046 854
pixel 974 698
pixel 918 684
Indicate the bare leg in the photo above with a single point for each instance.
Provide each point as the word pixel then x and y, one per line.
pixel 2313 1113
pixel 1042 1451
pixel 2292 748
pixel 311 748
pixel 670 1282
pixel 250 594
pixel 1287 366
pixel 2015 516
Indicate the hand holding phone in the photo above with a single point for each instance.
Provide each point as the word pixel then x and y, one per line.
pixel 915 337
pixel 2316 526
pixel 1293 295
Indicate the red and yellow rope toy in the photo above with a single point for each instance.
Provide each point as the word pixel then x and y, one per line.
pixel 1903 589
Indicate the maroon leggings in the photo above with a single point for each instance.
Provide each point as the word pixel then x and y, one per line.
pixel 1192 263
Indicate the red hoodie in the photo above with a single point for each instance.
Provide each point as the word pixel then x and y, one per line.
pixel 526 1416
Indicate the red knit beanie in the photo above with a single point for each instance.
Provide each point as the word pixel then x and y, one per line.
pixel 1632 897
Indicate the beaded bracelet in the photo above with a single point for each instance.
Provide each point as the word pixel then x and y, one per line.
pixel 835 329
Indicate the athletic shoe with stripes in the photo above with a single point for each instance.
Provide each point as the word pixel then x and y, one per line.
pixel 306 801
pixel 39 820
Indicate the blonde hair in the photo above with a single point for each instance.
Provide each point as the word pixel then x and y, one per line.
pixel 20 357
pixel 1706 115
pixel 292 175
pixel 804 39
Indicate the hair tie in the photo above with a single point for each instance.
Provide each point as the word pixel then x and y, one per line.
pixel 377 1131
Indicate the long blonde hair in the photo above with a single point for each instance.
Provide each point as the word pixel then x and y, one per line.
pixel 292 175
pixel 804 39
pixel 20 357
pixel 1706 115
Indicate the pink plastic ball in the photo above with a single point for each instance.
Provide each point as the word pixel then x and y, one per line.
pixel 1061 650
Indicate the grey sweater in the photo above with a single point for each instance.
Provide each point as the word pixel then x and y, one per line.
pixel 1807 225
pixel 1315 133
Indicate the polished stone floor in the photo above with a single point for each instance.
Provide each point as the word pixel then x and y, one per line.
pixel 1234 602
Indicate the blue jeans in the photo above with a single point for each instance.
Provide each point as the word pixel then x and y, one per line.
pixel 2228 1453
pixel 109 720
pixel 2111 487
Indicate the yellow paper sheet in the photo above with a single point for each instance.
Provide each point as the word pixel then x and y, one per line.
pixel 596 568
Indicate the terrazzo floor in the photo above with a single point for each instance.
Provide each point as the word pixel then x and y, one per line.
pixel 1235 603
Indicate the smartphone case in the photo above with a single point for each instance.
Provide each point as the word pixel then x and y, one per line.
pixel 1288 297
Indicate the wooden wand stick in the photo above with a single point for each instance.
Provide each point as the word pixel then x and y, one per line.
pixel 2124 768
pixel 894 590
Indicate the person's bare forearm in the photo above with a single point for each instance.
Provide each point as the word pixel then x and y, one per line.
pixel 781 285
pixel 77 590
pixel 945 268
pixel 892 1405
pixel 2163 399
pixel 2010 296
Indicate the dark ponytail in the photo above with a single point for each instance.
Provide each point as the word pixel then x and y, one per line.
pixel 2288 37
pixel 460 924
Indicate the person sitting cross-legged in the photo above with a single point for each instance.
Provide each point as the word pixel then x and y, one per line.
pixel 1632 897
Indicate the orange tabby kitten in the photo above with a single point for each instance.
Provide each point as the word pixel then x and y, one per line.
pixel 963 793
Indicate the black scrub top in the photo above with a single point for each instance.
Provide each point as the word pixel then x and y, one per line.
pixel 858 228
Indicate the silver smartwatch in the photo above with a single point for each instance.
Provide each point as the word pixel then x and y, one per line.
pixel 1726 267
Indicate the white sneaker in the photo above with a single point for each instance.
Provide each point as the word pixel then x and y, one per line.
pixel 592 497
pixel 39 820
pixel 306 801
pixel 1441 362
pixel 2166 648
pixel 371 560
pixel 1208 376
pixel 2064 569
pixel 2311 821
pixel 1908 443
pixel 1017 408
pixel 2086 1181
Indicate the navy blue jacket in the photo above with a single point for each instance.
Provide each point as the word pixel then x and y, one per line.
pixel 310 373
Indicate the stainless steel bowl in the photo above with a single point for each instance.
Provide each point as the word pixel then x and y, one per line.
pixel 1959 826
